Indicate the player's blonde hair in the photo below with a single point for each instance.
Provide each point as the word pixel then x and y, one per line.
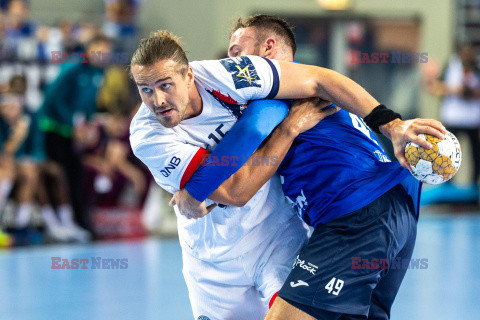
pixel 159 46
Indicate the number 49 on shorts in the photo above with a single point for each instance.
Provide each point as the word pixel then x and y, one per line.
pixel 334 286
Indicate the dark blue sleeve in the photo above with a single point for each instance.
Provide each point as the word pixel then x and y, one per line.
pixel 257 122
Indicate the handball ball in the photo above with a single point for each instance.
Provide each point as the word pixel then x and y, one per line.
pixel 438 164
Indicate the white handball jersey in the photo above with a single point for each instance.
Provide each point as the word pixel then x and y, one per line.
pixel 173 155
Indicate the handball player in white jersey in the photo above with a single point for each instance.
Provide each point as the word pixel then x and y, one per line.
pixel 236 258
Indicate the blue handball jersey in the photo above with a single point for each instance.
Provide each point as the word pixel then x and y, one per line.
pixel 338 167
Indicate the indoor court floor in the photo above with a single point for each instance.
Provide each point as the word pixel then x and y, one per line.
pixel 152 287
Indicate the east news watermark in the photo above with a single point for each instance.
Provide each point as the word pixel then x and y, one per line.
pixel 397 57
pixel 96 57
pixel 255 161
pixel 224 161
pixel 360 263
pixel 94 263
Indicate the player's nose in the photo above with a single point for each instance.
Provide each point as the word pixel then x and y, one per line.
pixel 159 98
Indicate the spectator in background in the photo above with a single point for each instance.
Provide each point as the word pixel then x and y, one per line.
pixel 109 162
pixel 69 102
pixel 20 147
pixel 6 47
pixel 17 85
pixel 85 31
pixel 119 23
pixel 65 32
pixel 44 47
pixel 17 19
pixel 53 194
pixel 63 38
pixel 20 31
pixel 459 84
pixel 23 141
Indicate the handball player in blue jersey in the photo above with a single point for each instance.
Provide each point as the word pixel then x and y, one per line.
pixel 363 207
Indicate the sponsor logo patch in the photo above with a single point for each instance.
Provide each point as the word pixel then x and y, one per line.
pixel 243 72
pixel 298 283
pixel 172 165
pixel 307 266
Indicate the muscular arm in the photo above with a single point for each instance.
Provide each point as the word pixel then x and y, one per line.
pixel 299 81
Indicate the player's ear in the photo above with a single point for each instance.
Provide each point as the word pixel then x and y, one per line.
pixel 269 47
pixel 190 77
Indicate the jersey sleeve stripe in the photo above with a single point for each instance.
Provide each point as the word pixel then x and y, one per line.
pixel 272 300
pixel 276 80
pixel 192 166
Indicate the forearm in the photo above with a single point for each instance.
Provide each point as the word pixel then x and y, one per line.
pixel 242 186
pixel 345 93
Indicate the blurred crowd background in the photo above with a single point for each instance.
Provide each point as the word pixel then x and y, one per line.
pixel 67 173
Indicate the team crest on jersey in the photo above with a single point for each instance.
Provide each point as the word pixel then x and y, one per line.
pixel 228 103
pixel 203 318
pixel 243 72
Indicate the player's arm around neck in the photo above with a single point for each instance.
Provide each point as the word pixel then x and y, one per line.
pixel 304 81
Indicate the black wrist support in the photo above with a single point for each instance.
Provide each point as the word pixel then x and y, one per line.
pixel 380 116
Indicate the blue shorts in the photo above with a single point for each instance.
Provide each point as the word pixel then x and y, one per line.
pixel 352 266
